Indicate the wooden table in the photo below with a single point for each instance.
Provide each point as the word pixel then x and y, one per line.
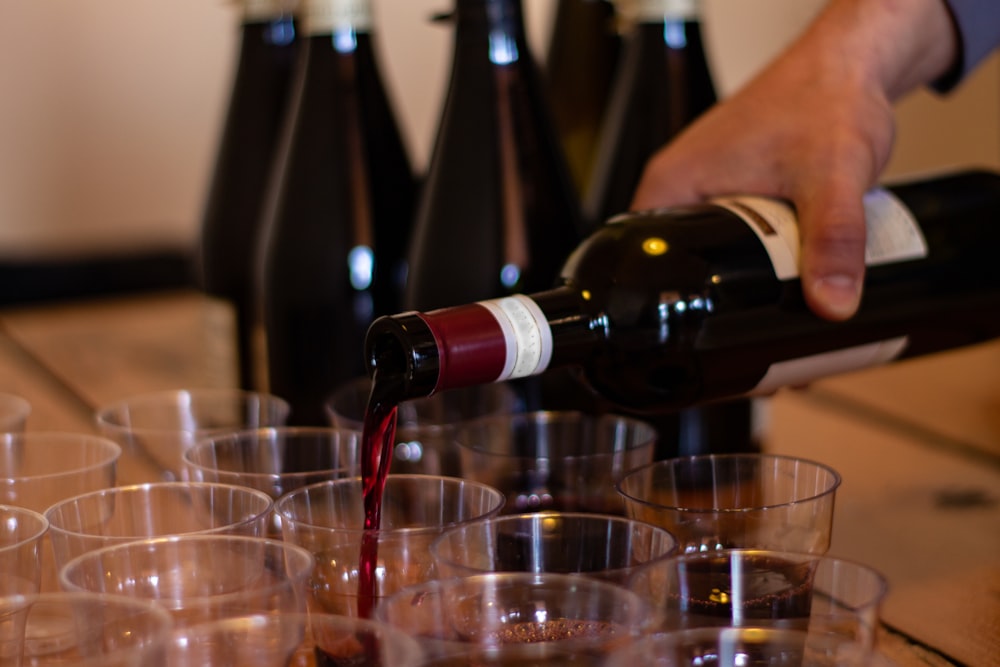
pixel 917 444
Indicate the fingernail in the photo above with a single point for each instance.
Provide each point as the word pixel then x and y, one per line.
pixel 840 294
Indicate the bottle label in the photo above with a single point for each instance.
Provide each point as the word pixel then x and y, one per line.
pixel 527 336
pixel 650 11
pixel 893 234
pixel 324 17
pixel 806 369
pixel 490 341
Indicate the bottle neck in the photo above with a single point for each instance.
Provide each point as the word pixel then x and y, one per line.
pixel 497 19
pixel 335 17
pixel 484 342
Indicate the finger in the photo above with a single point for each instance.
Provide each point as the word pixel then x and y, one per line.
pixel 832 225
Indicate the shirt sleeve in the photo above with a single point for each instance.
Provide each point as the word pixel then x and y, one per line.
pixel 977 25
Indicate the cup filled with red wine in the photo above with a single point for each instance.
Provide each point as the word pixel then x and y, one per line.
pixel 754 588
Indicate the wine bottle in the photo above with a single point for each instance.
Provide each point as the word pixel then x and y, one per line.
pixel 674 308
pixel 662 83
pixel 580 65
pixel 229 224
pixel 498 213
pixel 335 243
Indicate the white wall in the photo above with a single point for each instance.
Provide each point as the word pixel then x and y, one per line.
pixel 110 109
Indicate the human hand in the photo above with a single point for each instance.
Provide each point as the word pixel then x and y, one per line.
pixel 815 128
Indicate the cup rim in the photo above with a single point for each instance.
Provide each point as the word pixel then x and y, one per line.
pixel 209 442
pixel 41 527
pixel 118 491
pixel 109 415
pixel 283 502
pixel 19 407
pixel 544 417
pixel 452 532
pixel 835 482
pixel 112 448
pixel 287 548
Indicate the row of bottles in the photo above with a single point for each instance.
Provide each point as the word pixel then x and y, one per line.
pixel 315 225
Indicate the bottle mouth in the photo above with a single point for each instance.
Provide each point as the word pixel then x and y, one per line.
pixel 401 350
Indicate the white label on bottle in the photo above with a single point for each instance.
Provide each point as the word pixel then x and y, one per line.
pixel 806 369
pixel 893 234
pixel 660 10
pixel 527 335
pixel 322 17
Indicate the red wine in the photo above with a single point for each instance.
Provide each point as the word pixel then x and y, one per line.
pixel 764 588
pixel 673 308
pixel 376 455
pixel 230 221
pixel 334 247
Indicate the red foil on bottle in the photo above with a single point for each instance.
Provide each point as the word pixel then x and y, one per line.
pixel 471 345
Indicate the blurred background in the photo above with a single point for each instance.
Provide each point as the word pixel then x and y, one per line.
pixel 110 112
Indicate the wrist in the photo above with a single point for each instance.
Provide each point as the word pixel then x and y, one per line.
pixel 897 45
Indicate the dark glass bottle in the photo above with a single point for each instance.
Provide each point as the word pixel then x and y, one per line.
pixel 251 131
pixel 662 83
pixel 498 213
pixel 580 65
pixel 669 309
pixel 334 246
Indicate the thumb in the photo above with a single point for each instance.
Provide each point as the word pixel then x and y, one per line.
pixel 832 226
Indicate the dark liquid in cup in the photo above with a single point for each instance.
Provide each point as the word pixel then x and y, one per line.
pixel 593 550
pixel 762 588
pixel 360 650
pixel 540 644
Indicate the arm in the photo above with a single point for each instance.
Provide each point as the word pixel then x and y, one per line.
pixel 816 128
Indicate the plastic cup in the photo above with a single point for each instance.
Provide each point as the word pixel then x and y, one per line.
pixel 765 589
pixel 198 577
pixel 555 461
pixel 740 647
pixel 159 426
pixel 21 541
pixel 424 427
pixel 327 519
pixel 731 501
pixel 41 468
pixel 280 640
pixel 82 630
pixel 128 513
pixel 14 412
pixel 602 546
pixel 517 618
pixel 276 460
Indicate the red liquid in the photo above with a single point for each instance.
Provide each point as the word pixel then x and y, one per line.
pixel 376 453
